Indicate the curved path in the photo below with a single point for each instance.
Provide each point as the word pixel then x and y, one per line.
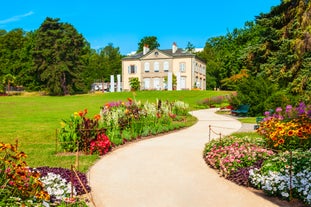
pixel 169 171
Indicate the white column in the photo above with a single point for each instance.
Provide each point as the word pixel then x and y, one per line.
pixel 111 83
pixel 118 83
pixel 169 81
pixel 178 78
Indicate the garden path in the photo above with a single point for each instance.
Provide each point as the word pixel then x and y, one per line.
pixel 169 171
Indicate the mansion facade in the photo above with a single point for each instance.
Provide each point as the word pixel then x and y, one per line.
pixel 151 67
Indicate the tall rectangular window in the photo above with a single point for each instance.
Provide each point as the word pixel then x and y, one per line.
pixel 165 66
pixel 156 67
pixel 132 69
pixel 147 67
pixel 182 67
pixel 147 83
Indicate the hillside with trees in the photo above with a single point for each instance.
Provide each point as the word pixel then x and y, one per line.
pixel 55 59
pixel 275 50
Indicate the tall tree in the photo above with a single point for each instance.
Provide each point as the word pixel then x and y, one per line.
pixel 111 57
pixel 190 47
pixel 286 45
pixel 59 57
pixel 151 41
pixel 11 46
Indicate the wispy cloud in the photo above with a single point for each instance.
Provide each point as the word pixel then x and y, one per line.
pixel 16 18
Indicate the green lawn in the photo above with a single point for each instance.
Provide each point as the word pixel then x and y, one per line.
pixel 33 120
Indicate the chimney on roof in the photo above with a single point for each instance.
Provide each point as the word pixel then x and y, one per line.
pixel 174 47
pixel 145 49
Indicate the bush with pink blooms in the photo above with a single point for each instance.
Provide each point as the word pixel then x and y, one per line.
pixel 232 157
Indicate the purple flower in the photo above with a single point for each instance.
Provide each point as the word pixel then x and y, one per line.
pixel 301 108
pixel 267 113
pixel 288 108
pixel 278 109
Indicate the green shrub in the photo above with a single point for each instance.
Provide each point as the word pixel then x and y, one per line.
pixel 254 91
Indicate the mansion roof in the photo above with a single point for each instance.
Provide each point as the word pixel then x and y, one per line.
pixel 178 53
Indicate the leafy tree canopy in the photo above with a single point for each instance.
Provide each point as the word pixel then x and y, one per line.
pixel 151 41
pixel 58 56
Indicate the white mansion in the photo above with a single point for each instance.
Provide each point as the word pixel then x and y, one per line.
pixel 152 69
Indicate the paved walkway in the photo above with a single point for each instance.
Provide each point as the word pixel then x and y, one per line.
pixel 169 171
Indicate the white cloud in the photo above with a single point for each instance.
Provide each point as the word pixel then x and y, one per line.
pixel 16 18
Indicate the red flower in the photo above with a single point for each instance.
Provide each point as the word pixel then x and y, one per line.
pixel 101 145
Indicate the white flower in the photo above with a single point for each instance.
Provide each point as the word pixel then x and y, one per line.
pixel 56 186
pixel 284 194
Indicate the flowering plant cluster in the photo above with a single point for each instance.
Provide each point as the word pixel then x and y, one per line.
pixel 101 144
pixel 16 180
pixel 213 101
pixel 228 159
pixel 79 180
pixel 57 187
pixel 119 122
pixel 24 186
pixel 79 131
pixel 129 120
pixel 289 129
pixel 284 172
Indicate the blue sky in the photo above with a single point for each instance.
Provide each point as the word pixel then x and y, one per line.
pixel 125 23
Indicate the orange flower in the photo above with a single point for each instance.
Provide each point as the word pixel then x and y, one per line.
pixel 274 138
pixel 129 99
pixel 290 133
pixel 97 117
pixel 299 133
pixel 80 113
pixel 281 141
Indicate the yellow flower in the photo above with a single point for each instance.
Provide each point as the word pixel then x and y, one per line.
pixel 62 124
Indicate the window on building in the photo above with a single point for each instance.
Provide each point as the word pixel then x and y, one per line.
pixel 147 83
pixel 132 69
pixel 156 83
pixel 147 67
pixel 183 82
pixel 156 67
pixel 165 66
pixel 182 67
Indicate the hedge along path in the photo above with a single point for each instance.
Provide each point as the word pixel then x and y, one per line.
pixel 169 171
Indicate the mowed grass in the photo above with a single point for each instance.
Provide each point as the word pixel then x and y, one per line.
pixel 34 120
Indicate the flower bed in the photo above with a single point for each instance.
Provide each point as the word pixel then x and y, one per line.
pixel 120 122
pixel 117 123
pixel 23 186
pixel 277 162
